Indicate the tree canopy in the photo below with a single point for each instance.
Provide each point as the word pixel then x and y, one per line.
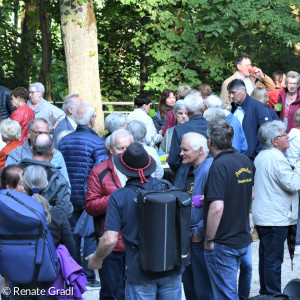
pixel 151 44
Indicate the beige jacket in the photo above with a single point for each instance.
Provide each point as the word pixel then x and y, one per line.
pixel 265 82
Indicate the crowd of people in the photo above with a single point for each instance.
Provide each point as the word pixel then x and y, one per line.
pixel 240 151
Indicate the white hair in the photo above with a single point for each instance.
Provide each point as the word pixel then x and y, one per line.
pixel 84 119
pixel 213 101
pixel 196 141
pixel 38 86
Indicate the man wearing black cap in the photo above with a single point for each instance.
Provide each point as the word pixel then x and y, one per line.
pixel 122 215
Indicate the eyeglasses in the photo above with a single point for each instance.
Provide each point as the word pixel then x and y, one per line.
pixel 33 92
pixel 292 83
pixel 39 132
pixel 279 136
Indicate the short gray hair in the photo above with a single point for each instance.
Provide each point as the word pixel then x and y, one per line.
pixel 114 121
pixel 292 74
pixel 85 118
pixel 42 145
pixel 197 141
pixel 31 124
pixel 213 113
pixel 38 86
pixel 68 102
pixel 119 132
pixel 179 105
pixel 221 134
pixel 269 131
pixel 213 101
pixel 193 102
pixel 137 129
pixel 182 91
pixel 10 129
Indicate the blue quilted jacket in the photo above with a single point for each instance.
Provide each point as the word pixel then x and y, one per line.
pixel 82 150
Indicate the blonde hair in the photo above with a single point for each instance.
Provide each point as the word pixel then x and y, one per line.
pixel 10 129
pixel 261 95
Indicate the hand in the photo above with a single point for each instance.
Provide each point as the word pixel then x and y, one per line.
pixel 94 262
pixel 259 72
pixel 195 238
pixel 276 108
pixel 209 246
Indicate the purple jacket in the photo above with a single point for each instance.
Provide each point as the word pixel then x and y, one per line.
pixel 70 283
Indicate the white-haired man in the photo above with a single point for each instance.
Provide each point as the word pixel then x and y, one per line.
pixel 82 150
pixel 194 104
pixel 194 153
pixel 42 108
pixel 71 101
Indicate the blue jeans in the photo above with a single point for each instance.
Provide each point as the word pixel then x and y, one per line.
pixel 166 288
pixel 112 276
pixel 89 245
pixel 245 275
pixel 222 265
pixel 271 251
pixel 195 278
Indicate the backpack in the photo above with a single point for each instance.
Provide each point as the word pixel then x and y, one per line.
pixel 27 251
pixel 164 227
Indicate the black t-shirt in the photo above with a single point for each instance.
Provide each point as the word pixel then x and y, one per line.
pixel 230 179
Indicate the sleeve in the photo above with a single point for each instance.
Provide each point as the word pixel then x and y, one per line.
pixel 174 159
pixel 10 161
pixel 224 94
pixel 159 171
pixel 63 199
pixel 95 201
pixel 216 191
pixel 58 115
pixel 262 113
pixel 66 235
pixel 156 123
pixel 10 108
pixel 113 218
pixel 287 178
pixel 15 116
pixel 99 153
pixel 58 161
pixel 269 83
pixel 170 121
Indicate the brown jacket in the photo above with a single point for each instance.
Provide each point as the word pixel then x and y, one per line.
pixel 265 82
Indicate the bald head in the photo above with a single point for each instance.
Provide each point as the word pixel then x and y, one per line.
pixel 43 147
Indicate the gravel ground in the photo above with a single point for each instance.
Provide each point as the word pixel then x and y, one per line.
pixel 287 273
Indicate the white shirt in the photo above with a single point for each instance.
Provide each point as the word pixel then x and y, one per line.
pixel 248 83
pixel 239 113
pixel 72 122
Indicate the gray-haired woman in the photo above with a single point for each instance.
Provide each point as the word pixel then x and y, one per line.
pixel 181 115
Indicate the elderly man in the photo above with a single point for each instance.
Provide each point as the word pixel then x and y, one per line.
pixel 57 191
pixel 36 127
pixel 102 181
pixel 82 150
pixel 251 79
pixel 194 153
pixel 68 123
pixel 213 103
pixel 228 194
pixel 42 108
pixel 251 114
pixel 193 102
pixel 122 215
pixel 275 206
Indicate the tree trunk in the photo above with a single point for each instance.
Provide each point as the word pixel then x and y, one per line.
pixel 80 42
pixel 143 61
pixel 46 50
pixel 25 56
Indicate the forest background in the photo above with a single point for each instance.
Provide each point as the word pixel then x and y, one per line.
pixel 143 44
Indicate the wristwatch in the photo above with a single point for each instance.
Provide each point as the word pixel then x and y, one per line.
pixel 208 240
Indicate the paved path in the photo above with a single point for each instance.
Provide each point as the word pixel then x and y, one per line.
pixel 287 273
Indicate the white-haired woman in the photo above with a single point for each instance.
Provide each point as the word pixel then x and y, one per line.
pixel 290 99
pixel 11 132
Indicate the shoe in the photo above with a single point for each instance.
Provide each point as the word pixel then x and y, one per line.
pixel 297 250
pixel 95 285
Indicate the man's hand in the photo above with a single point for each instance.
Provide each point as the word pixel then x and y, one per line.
pixel 94 262
pixel 259 72
pixel 209 246
pixel 195 238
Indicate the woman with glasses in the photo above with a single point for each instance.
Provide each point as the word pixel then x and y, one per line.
pixel 290 99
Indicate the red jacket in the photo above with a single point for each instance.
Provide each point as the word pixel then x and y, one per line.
pixel 98 193
pixel 170 121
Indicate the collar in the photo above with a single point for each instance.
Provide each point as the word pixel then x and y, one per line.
pixel 72 122
pixel 223 153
